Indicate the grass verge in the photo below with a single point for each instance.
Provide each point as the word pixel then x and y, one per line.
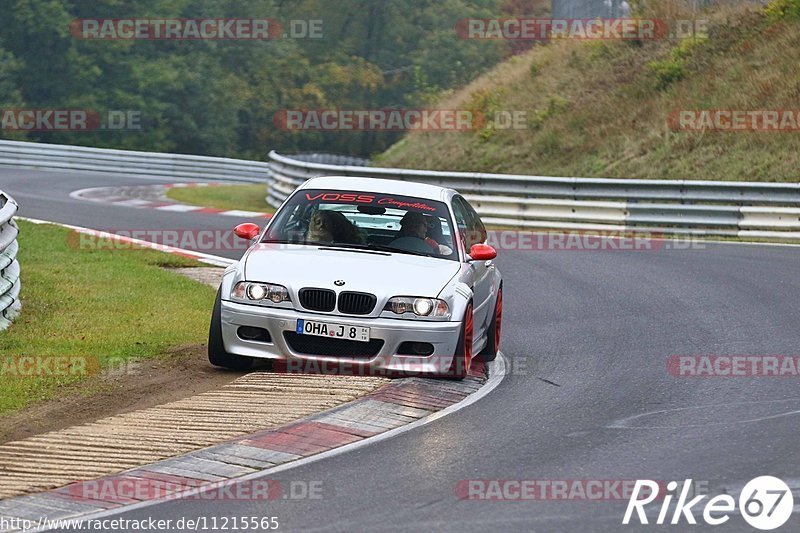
pixel 102 307
pixel 241 197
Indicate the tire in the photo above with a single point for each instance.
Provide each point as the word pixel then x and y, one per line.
pixel 462 359
pixel 489 352
pixel 217 355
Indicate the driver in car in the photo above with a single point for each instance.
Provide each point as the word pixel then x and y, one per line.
pixel 414 224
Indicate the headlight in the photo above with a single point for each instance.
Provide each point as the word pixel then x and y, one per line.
pixel 259 292
pixel 423 307
pixel 433 307
pixel 256 292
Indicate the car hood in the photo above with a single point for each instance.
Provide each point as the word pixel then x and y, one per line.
pixel 382 274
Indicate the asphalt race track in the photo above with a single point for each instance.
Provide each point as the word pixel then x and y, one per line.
pixel 45 196
pixel 587 335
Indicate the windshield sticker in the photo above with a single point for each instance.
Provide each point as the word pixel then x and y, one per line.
pixel 406 205
pixel 368 199
pixel 341 197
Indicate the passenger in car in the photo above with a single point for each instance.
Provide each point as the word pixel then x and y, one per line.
pixel 331 226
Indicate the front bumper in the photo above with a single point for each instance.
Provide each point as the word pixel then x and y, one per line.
pixel 442 335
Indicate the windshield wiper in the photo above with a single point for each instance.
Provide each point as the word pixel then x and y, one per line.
pixel 396 250
pixel 298 243
pixel 376 247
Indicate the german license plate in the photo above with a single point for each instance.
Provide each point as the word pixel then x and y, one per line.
pixel 330 330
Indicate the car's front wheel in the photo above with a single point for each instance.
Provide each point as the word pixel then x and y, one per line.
pixel 217 355
pixel 462 359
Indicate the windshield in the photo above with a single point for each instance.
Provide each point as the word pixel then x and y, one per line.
pixel 374 221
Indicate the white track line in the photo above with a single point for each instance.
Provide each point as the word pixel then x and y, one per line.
pixel 133 202
pixel 497 371
pixel 199 256
pixel 243 214
pixel 78 195
pixel 180 208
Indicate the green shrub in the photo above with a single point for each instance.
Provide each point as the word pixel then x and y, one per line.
pixel 673 68
pixel 783 9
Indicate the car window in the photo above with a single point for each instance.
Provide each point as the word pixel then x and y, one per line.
pixel 460 214
pixel 369 220
pixel 469 223
pixel 475 224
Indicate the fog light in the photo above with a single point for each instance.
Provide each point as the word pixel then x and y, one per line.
pixel 249 333
pixel 423 349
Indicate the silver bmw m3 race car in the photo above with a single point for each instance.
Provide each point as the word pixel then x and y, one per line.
pixel 375 276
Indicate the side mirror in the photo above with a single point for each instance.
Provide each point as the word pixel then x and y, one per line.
pixel 482 252
pixel 247 231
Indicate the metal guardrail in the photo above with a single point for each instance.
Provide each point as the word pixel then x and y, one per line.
pixel 79 158
pixel 331 159
pixel 9 267
pixel 738 209
pixel 718 208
